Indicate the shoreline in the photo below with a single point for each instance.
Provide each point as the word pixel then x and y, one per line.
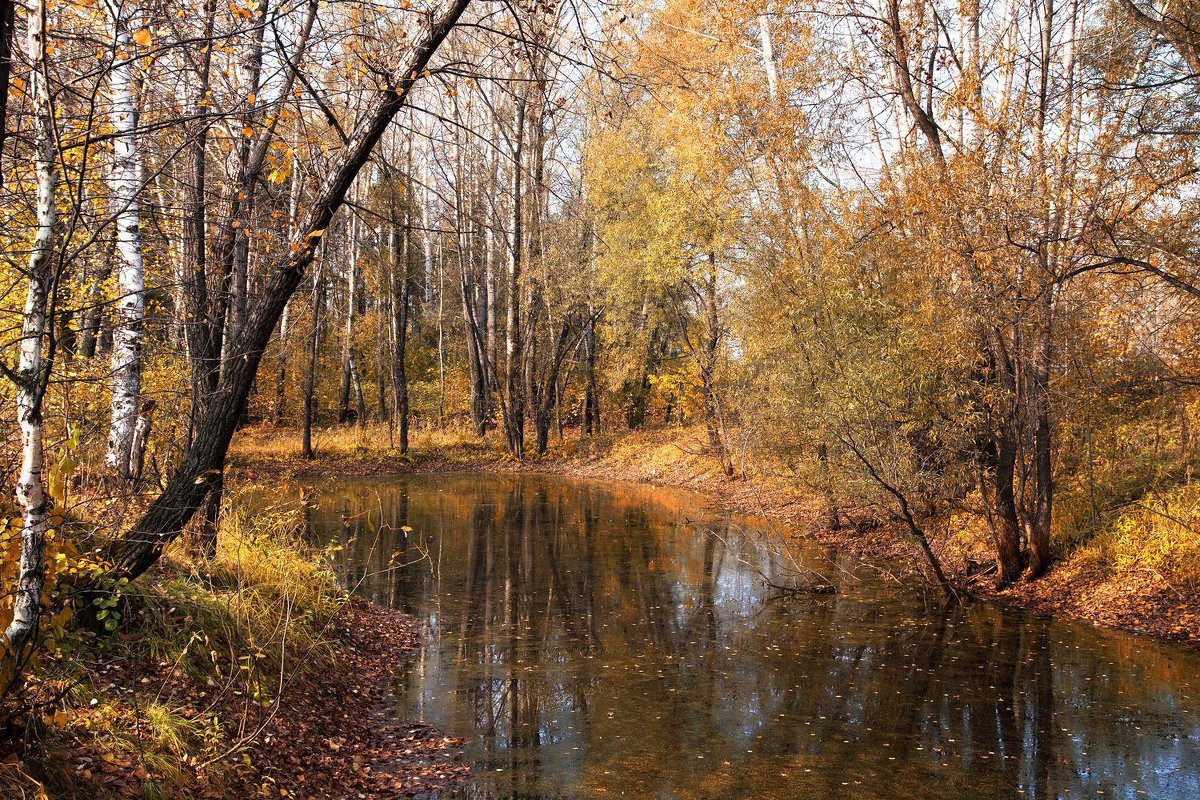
pixel 1138 603
pixel 349 742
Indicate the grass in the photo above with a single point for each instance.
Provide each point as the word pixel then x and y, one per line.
pixel 365 443
pixel 643 453
pixel 203 651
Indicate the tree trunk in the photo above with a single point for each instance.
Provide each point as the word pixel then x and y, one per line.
pixel 1039 539
pixel 235 241
pixel 284 324
pixel 476 356
pixel 8 10
pixel 490 259
pixel 514 416
pixel 135 551
pixel 768 57
pixel 591 399
pixel 32 371
pixel 349 375
pixel 201 327
pixel 832 516
pixel 360 405
pixel 400 303
pixel 314 352
pixel 233 251
pixel 141 437
pixel 277 408
pixel 713 422
pixel 96 275
pixel 547 388
pixel 1000 456
pixel 127 335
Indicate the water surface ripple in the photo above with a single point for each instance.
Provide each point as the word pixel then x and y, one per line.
pixel 594 640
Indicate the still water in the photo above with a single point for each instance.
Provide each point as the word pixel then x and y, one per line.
pixel 592 640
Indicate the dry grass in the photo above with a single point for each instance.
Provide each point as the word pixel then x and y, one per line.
pixel 359 444
pixel 204 650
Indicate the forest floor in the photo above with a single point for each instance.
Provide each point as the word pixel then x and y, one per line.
pixel 174 704
pixel 1081 584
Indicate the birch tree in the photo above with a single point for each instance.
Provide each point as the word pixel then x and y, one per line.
pixel 33 366
pixel 135 551
pixel 124 180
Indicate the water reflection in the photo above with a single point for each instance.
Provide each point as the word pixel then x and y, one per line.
pixel 591 639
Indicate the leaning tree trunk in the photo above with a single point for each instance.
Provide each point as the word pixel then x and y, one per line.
pixel 127 335
pixel 139 548
pixel 32 369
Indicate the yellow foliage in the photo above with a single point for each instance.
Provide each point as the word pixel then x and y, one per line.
pixel 1159 534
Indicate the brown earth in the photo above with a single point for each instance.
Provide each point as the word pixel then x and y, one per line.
pixel 339 740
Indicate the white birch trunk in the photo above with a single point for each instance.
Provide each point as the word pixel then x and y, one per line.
pixel 768 57
pixel 123 182
pixel 30 489
pixel 972 91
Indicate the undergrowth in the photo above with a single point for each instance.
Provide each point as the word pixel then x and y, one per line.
pixel 1158 534
pixel 168 703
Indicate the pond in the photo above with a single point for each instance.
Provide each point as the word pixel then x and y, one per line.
pixel 594 639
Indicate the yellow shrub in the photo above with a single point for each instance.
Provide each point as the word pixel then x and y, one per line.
pixel 1158 534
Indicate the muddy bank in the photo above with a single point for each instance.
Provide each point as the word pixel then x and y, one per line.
pixel 338 738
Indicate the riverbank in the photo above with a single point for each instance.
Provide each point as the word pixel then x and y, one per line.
pixel 1101 579
pixel 247 675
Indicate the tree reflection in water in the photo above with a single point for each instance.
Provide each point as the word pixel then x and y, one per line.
pixel 586 640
